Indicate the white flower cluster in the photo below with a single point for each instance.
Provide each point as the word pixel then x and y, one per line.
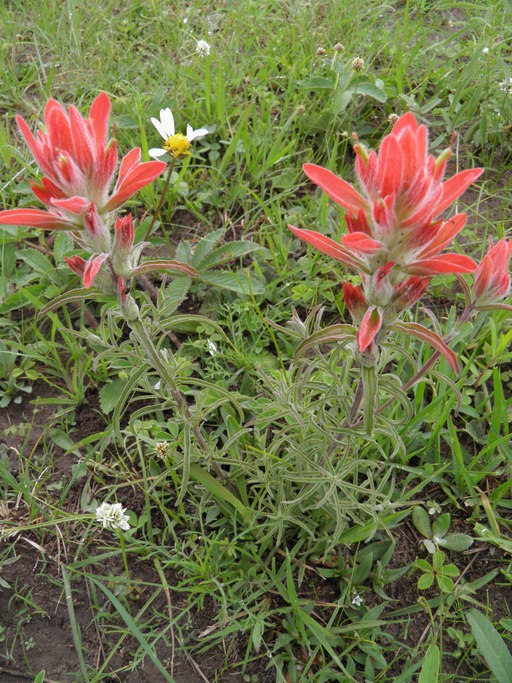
pixel 112 516
pixel 203 48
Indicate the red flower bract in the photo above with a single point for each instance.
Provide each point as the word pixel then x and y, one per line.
pixel 78 162
pixel 492 279
pixel 394 217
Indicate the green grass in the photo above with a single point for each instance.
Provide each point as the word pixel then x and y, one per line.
pixel 300 564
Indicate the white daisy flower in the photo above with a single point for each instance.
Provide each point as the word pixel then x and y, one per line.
pixel 203 48
pixel 112 516
pixel 176 144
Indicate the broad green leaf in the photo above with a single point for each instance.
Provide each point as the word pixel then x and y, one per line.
pixel 315 83
pixel 421 520
pixel 445 583
pixel 228 252
pixel 425 581
pixel 20 298
pixel 234 281
pixel 110 393
pixel 39 262
pixel 430 669
pixel 205 246
pixel 370 90
pixel 457 542
pixel 62 246
pixel 492 646
pixel 441 525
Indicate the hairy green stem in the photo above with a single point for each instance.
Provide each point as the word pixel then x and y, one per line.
pixel 161 367
pixel 170 169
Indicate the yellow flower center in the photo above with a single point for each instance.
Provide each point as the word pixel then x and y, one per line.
pixel 177 145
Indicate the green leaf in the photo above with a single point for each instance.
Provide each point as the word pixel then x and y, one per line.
pixel 491 645
pixel 362 570
pixel 218 490
pixel 61 439
pixel 68 297
pixel 441 525
pixel 39 262
pixel 445 583
pixel 174 294
pixel 370 90
pixel 62 246
pixel 457 542
pixel 134 630
pixel 425 581
pixel 228 252
pixel 333 333
pixel 20 299
pixel 421 520
pixel 109 395
pixel 205 246
pixel 430 669
pixel 315 83
pixel 236 282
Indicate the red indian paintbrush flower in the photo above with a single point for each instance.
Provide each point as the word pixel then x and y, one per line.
pixel 78 162
pixel 492 279
pixel 396 217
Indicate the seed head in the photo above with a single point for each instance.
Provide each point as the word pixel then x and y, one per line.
pixel 357 64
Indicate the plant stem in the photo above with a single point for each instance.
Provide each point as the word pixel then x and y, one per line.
pixel 123 553
pixel 161 367
pixel 170 169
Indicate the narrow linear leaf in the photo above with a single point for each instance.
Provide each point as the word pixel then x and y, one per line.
pixel 134 630
pixel 218 490
pixel 333 333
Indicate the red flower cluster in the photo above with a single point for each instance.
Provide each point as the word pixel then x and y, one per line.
pixel 394 226
pixel 79 162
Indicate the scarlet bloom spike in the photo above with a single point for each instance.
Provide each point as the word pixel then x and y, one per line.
pixel 369 328
pixel 78 162
pixel 492 279
pixel 395 214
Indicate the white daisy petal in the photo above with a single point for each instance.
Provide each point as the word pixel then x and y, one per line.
pixel 167 120
pixel 156 152
pixel 159 127
pixel 193 134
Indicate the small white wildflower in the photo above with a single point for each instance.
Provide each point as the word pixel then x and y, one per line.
pixel 212 347
pixel 203 48
pixel 157 385
pixel 161 449
pixel 357 600
pixel 176 144
pixel 392 119
pixel 485 51
pixel 506 86
pixel 432 511
pixel 112 516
